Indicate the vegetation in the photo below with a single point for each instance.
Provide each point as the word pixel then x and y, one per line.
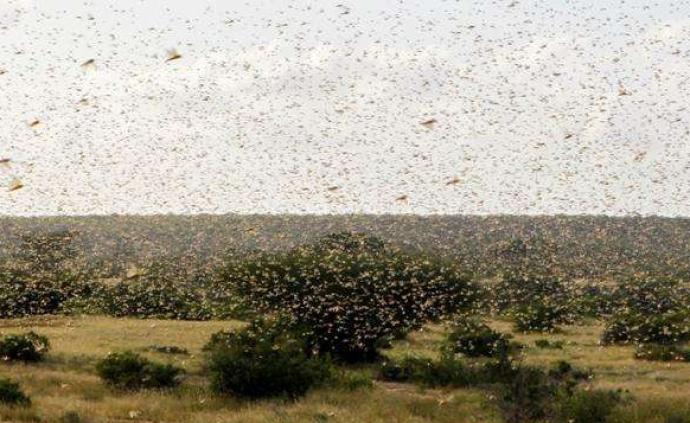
pixel 650 311
pixel 11 393
pixel 265 359
pixel 349 293
pixel 378 310
pixel 537 302
pixel 67 384
pixel 447 371
pixel 475 339
pixel 128 370
pixel 25 347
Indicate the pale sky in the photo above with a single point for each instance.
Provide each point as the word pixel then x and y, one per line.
pixel 542 107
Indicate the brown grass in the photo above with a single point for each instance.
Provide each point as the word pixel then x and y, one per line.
pixel 65 382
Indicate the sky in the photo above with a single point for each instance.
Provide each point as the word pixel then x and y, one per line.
pixel 531 107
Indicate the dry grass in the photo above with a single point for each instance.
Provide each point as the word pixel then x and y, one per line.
pixel 65 383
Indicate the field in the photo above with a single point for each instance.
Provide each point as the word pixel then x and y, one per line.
pixel 64 387
pixel 349 326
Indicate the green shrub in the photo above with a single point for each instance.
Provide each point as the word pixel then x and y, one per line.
pixel 546 344
pixel 650 296
pixel 589 406
pixel 26 347
pixel 350 292
pixel 537 303
pixel 537 318
pixel 532 394
pixel 528 396
pixel 24 293
pixel 447 371
pixel 518 289
pixel 594 301
pixel 630 326
pixel 649 311
pixel 263 360
pixel 167 349
pixel 152 296
pixel 11 393
pixel 656 352
pixel 130 371
pixel 475 339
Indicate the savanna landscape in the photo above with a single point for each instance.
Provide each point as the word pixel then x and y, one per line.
pixel 338 324
pixel 348 211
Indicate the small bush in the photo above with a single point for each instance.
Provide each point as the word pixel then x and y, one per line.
pixel 10 393
pixel 28 347
pixel 475 339
pixel 537 318
pixel 531 394
pixel 589 406
pixel 72 417
pixel 546 344
pixel 448 371
pixel 655 352
pixel 167 349
pixel 130 371
pixel 263 360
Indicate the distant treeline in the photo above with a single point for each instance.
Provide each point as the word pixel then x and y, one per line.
pixel 572 246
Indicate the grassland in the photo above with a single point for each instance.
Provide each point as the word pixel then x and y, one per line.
pixel 64 388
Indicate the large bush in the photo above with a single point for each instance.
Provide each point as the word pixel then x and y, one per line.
pixel 11 393
pixel 22 294
pixel 25 347
pixel 349 291
pixel 649 311
pixel 157 292
pixel 130 371
pixel 265 359
pixel 538 303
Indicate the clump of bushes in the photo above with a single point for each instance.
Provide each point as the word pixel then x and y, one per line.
pixel 594 301
pixel 525 393
pixel 28 347
pixel 350 292
pixel 537 303
pixel 23 294
pixel 532 394
pixel 656 352
pixel 473 338
pixel 154 296
pixel 594 406
pixel 448 371
pixel 268 358
pixel 650 311
pixel 130 371
pixel 11 393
